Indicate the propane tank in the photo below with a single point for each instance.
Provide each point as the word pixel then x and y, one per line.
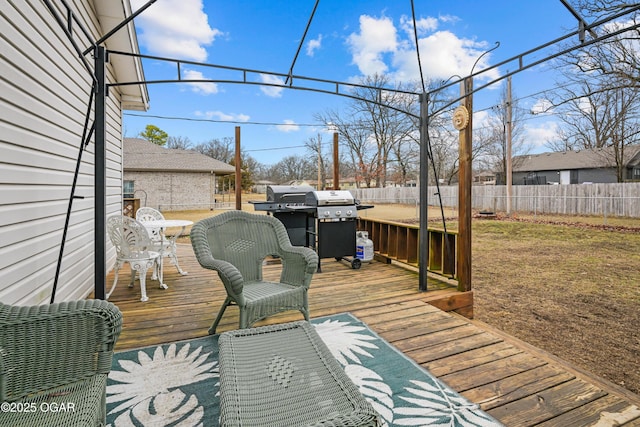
pixel 364 246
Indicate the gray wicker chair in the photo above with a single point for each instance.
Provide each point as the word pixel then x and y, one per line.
pixel 235 245
pixel 54 362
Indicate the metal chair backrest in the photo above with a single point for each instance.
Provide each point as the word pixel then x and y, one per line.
pixel 148 214
pixel 151 214
pixel 128 235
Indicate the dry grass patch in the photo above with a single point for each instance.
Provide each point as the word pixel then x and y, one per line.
pixel 571 290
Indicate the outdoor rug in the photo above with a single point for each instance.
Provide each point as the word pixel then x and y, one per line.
pixel 177 384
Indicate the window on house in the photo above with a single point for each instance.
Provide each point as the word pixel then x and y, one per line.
pixel 127 189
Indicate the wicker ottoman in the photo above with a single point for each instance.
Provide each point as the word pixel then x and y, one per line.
pixel 284 375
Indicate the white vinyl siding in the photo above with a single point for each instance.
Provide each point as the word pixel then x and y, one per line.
pixel 44 91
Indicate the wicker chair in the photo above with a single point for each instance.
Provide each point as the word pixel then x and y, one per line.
pixel 132 243
pixel 54 362
pixel 235 245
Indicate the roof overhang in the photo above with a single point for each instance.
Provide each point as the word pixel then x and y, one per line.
pixel 126 68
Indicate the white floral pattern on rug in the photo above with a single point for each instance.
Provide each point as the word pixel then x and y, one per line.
pixel 425 403
pixel 149 390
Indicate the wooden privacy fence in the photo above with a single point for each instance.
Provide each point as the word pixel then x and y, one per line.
pixel 575 199
pixel 400 242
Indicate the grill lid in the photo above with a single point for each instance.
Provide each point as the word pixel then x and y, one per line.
pixel 329 198
pixel 287 193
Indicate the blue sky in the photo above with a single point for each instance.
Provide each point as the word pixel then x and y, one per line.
pixel 346 40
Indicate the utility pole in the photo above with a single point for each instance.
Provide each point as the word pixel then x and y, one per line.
pixel 509 129
pixel 336 163
pixel 238 172
pixel 320 163
pixel 462 120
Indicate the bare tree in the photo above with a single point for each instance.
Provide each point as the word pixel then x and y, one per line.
pixel 369 130
pixel 598 101
pixel 292 168
pixel 490 142
pixel 618 56
pixel 597 114
pixel 314 145
pixel 179 142
pixel 443 138
pixel 219 149
pixel 405 160
pixel 584 110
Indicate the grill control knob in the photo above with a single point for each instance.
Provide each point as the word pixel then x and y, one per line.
pixel 338 213
pixel 327 213
pixel 349 212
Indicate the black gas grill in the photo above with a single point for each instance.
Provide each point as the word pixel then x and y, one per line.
pixel 335 212
pixel 323 220
pixel 281 199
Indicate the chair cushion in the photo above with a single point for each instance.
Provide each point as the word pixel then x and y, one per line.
pixel 266 298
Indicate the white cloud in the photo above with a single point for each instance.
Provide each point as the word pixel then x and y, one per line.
pixel 538 136
pixel 423 25
pixel 444 54
pixel 480 119
pixel 376 48
pixel 203 88
pixel 376 37
pixel 314 45
pixel 288 126
pixel 449 18
pixel 272 91
pixel 542 106
pixel 219 115
pixel 175 28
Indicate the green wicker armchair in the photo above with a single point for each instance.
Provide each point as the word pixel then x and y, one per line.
pixel 54 362
pixel 235 244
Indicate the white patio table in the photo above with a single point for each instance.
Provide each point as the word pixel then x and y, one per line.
pixel 167 245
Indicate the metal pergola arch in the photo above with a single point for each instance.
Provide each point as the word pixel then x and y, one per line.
pixel 101 88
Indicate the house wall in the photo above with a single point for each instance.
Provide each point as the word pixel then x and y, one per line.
pixel 170 191
pixel 578 176
pixel 44 91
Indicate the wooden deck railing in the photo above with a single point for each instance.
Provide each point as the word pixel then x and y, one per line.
pixel 400 242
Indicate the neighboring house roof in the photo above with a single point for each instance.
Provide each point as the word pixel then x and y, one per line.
pixel 127 68
pixel 142 155
pixel 567 160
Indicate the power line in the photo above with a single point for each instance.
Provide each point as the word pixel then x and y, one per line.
pixel 239 122
pixel 278 148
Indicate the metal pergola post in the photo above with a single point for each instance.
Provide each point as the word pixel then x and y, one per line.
pixel 100 177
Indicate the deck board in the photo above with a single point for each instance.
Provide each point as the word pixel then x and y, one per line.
pixel 513 381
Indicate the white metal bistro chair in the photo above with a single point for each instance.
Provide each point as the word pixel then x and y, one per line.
pixel 132 243
pixel 163 244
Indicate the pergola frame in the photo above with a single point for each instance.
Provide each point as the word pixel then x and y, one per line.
pixel 101 88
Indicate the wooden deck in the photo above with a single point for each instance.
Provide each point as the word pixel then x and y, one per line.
pixel 514 382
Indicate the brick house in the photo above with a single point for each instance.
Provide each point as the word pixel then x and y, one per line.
pixel 170 179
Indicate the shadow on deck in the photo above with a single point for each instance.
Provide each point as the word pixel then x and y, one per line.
pixel 514 382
